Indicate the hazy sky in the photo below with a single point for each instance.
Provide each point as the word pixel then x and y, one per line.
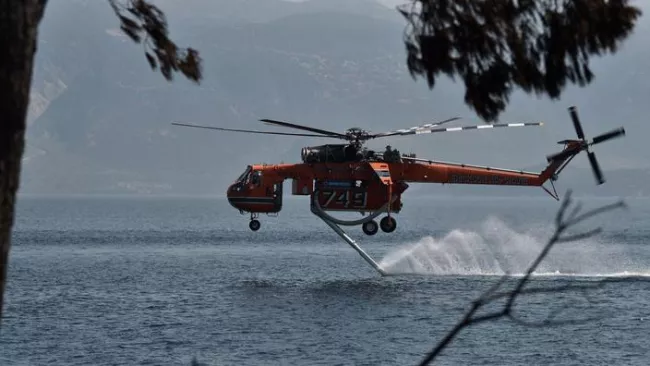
pixel 617 97
pixel 388 3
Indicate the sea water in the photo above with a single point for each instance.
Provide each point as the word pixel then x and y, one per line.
pixel 160 281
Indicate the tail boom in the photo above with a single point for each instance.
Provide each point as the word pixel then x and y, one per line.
pixel 451 173
pixel 430 171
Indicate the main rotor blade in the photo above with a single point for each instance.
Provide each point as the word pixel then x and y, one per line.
pixel 407 131
pixel 305 128
pixel 248 131
pixel 608 135
pixel 596 168
pixel 462 128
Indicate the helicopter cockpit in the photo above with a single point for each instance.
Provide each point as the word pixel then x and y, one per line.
pixel 244 176
pixel 252 193
pixel 249 178
pixel 240 182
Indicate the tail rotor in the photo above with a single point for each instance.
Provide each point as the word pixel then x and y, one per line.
pixel 584 145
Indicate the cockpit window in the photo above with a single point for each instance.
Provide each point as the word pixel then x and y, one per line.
pixel 244 175
pixel 256 177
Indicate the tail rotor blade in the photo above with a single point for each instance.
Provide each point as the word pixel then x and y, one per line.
pixel 596 168
pixel 609 135
pixel 576 122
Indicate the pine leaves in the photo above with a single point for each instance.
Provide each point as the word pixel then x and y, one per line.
pixel 138 19
pixel 497 45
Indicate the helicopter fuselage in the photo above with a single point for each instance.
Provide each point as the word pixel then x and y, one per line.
pixel 347 177
pixel 362 186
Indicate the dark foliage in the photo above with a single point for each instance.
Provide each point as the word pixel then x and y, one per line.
pixel 140 18
pixel 497 45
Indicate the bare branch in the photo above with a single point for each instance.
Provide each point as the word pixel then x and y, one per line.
pixel 544 290
pixel 595 212
pixel 559 217
pixel 581 236
pixel 491 295
pixel 576 211
pixel 488 317
pixel 492 289
pixel 550 322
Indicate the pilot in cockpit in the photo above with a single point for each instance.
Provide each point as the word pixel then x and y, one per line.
pixel 256 178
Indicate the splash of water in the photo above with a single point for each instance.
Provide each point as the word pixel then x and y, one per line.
pixel 497 248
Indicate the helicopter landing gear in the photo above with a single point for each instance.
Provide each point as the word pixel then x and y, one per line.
pixel 388 224
pixel 254 224
pixel 370 227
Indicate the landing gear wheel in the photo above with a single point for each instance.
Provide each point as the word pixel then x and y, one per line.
pixel 254 225
pixel 388 224
pixel 370 227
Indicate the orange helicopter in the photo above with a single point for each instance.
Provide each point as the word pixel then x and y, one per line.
pixel 349 177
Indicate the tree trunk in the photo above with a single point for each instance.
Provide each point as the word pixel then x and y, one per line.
pixel 19 21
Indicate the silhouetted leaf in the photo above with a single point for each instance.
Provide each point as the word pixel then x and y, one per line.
pixel 129 23
pixel 131 33
pixel 150 24
pixel 151 59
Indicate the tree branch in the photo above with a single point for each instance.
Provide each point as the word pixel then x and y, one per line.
pixel 493 294
pixel 138 17
pixel 497 45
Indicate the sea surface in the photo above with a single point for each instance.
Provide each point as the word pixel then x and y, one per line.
pixel 160 281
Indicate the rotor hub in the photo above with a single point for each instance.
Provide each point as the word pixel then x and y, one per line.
pixel 356 134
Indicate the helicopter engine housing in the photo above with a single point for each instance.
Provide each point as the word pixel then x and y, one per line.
pixel 338 153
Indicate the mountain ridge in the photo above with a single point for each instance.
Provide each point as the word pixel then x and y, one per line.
pixel 96 126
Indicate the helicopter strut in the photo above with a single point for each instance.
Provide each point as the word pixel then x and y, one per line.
pixel 334 224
